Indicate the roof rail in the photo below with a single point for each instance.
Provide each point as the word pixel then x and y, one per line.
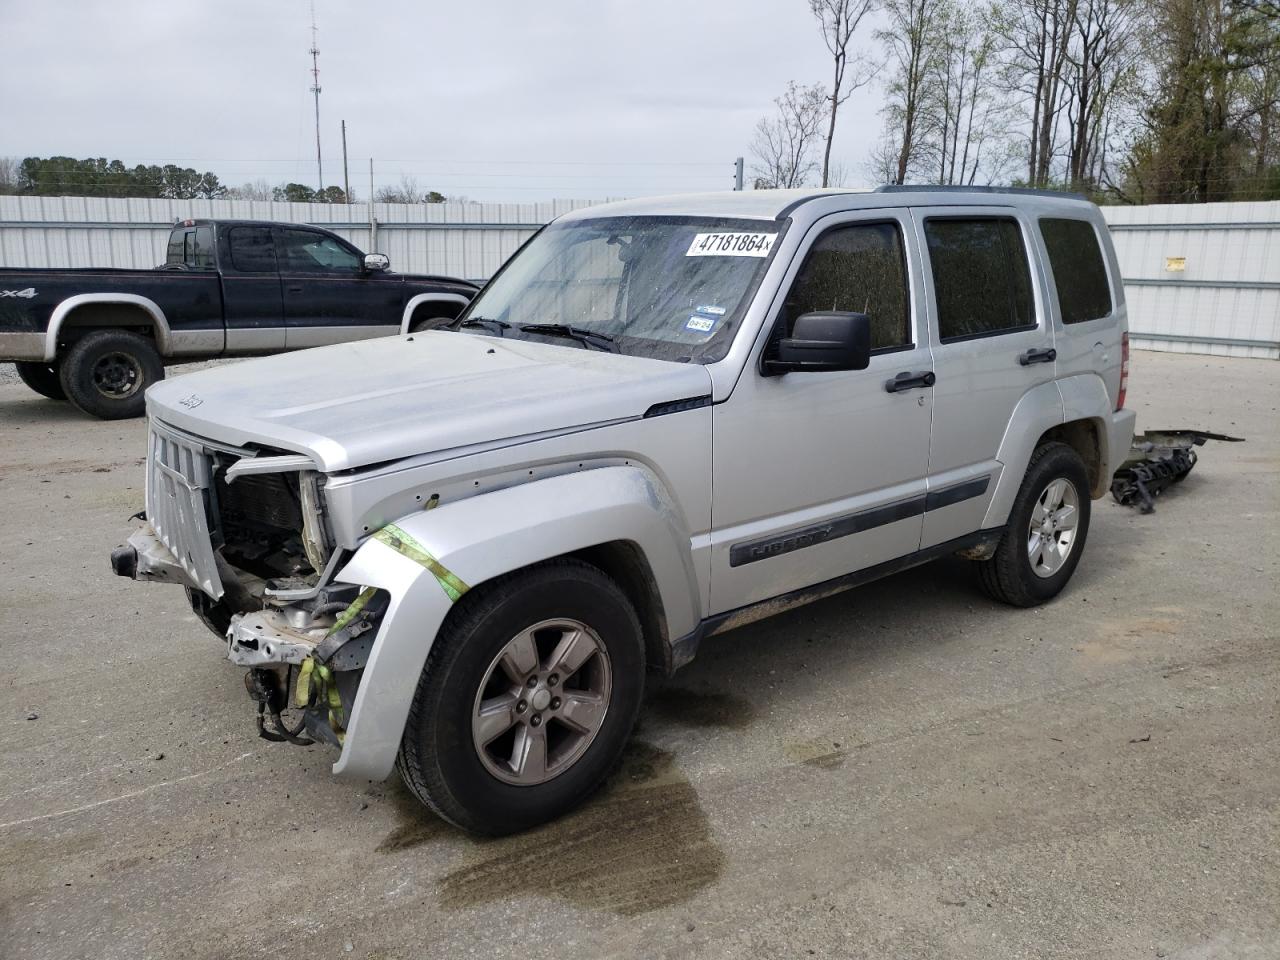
pixel 1020 191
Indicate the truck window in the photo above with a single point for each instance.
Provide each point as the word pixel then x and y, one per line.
pixel 1079 273
pixel 202 248
pixel 251 250
pixel 981 279
pixel 302 251
pixel 860 268
pixel 175 254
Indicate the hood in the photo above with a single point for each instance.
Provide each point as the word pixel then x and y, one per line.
pixel 372 401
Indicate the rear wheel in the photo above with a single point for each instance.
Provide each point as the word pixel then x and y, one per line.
pixel 42 378
pixel 527 699
pixel 1046 532
pixel 106 373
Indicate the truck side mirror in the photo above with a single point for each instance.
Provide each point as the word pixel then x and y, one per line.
pixel 376 262
pixel 832 340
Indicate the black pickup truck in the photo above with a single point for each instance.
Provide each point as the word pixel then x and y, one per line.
pixel 227 288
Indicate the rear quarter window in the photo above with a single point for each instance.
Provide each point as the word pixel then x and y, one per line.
pixel 1079 272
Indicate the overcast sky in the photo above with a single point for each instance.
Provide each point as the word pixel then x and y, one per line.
pixel 494 101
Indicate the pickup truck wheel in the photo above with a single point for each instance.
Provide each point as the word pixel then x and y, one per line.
pixel 1045 536
pixel 527 699
pixel 107 372
pixel 42 378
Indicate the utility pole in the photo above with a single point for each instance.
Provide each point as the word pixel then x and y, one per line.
pixel 373 221
pixel 346 179
pixel 737 174
pixel 315 90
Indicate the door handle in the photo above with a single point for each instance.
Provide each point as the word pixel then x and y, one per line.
pixel 1044 355
pixel 910 381
pixel 297 289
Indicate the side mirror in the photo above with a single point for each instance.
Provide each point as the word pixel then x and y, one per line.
pixel 824 342
pixel 376 262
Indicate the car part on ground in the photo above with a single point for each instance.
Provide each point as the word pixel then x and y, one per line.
pixel 1157 460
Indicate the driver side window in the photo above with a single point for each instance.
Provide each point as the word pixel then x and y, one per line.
pixel 301 251
pixel 859 268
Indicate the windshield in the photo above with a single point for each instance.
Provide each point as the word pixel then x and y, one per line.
pixel 671 288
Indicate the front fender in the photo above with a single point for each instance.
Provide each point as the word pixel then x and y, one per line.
pixel 483 537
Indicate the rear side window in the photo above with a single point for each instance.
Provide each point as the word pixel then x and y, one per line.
pixel 175 254
pixel 860 269
pixel 202 251
pixel 251 250
pixel 1079 272
pixel 981 278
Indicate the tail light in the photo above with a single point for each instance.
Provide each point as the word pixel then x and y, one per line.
pixel 1124 370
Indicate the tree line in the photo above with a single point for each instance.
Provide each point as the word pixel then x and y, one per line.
pixel 99 177
pixel 1132 101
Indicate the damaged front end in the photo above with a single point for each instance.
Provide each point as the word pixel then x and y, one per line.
pixel 244 531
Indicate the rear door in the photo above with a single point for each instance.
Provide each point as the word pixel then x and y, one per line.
pixel 251 301
pixel 992 343
pixel 328 295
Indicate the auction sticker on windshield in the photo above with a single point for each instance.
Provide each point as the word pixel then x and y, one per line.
pixel 731 245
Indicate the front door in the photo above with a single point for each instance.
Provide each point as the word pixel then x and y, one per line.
pixel 328 295
pixel 993 344
pixel 821 474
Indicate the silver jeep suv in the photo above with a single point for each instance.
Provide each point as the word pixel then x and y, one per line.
pixel 457 552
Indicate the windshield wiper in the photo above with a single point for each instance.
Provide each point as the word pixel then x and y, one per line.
pixel 488 322
pixel 588 338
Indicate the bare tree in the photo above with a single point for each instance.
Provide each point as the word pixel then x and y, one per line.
pixel 782 149
pixel 1035 37
pixel 912 38
pixel 839 21
pixel 1101 65
pixel 9 168
pixel 406 191
pixel 972 113
pixel 257 190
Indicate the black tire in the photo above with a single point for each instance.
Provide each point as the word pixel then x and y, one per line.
pixel 43 378
pixel 106 373
pixel 432 323
pixel 1009 576
pixel 438 759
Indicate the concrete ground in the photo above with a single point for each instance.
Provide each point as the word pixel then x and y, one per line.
pixel 906 770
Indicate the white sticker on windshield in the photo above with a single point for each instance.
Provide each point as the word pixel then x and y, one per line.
pixel 731 245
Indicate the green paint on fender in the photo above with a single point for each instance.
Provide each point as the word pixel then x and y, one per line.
pixel 402 543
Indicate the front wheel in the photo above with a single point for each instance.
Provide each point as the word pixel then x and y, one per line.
pixel 527 699
pixel 106 373
pixel 1045 535
pixel 42 378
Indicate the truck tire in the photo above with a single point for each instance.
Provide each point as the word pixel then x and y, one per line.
pixel 1046 532
pixel 527 699
pixel 106 373
pixel 43 378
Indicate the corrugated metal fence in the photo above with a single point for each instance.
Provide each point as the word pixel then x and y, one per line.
pixel 468 240
pixel 1202 278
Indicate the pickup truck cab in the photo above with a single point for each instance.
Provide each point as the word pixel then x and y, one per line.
pixel 227 288
pixel 457 552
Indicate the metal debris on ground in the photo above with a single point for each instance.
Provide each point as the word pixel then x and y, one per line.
pixel 1157 460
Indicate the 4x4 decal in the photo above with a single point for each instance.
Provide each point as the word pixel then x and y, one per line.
pixel 26 294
